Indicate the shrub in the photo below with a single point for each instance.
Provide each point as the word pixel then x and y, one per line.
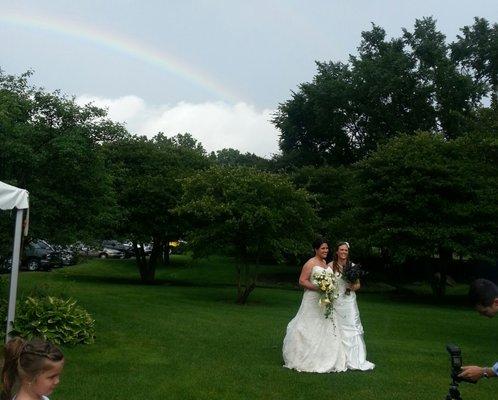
pixel 56 320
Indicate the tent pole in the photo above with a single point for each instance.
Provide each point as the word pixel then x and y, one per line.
pixel 14 273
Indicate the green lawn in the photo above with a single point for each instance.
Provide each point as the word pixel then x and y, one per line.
pixel 184 338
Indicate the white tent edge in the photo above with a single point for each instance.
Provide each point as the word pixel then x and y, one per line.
pixel 11 198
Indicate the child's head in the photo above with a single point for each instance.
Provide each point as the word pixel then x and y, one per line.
pixel 34 365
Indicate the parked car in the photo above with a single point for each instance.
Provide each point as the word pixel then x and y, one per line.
pixel 111 253
pixel 147 248
pixel 67 254
pixel 5 263
pixel 126 249
pixel 83 249
pixel 39 255
pixel 177 246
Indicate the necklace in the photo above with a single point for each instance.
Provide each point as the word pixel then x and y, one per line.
pixel 321 261
pixel 340 267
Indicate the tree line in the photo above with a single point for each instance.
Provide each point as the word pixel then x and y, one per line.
pixel 395 150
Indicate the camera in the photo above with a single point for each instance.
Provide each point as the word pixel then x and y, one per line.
pixel 456 363
pixel 456 369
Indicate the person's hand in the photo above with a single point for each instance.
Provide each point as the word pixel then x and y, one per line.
pixel 354 286
pixel 472 372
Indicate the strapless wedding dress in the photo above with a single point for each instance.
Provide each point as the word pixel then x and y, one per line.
pixel 348 320
pixel 313 343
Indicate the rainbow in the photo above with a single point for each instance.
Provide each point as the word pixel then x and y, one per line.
pixel 124 45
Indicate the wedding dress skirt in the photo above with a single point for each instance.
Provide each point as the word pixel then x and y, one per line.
pixel 313 343
pixel 349 323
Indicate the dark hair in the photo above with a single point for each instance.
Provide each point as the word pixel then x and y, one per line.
pixel 482 292
pixel 26 359
pixel 335 258
pixel 318 242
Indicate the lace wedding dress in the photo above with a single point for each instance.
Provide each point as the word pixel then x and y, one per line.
pixel 313 343
pixel 348 320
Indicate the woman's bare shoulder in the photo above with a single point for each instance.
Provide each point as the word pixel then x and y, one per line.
pixel 311 262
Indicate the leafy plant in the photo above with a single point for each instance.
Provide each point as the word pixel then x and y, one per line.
pixel 60 321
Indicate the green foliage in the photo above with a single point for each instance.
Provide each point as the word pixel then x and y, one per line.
pixel 477 51
pixel 234 157
pixel 413 83
pixel 146 174
pixel 248 214
pixel 57 320
pixel 50 146
pixel 421 195
pixel 331 190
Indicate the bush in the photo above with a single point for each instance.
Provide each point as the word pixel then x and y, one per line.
pixel 56 320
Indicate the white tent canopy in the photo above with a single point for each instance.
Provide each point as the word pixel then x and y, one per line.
pixel 14 198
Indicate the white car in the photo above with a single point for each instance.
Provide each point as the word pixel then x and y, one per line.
pixel 111 253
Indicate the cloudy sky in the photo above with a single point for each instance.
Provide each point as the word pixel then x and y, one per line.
pixel 216 69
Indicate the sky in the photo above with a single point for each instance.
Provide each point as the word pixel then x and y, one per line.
pixel 215 69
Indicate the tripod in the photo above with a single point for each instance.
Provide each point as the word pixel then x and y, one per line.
pixel 453 392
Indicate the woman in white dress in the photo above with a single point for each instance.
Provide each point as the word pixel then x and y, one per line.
pixel 347 315
pixel 313 343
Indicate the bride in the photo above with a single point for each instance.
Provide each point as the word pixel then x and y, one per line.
pixel 314 343
pixel 347 314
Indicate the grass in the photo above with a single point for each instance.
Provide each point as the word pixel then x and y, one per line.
pixel 184 338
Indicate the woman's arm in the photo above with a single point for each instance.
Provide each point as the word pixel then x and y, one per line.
pixel 304 278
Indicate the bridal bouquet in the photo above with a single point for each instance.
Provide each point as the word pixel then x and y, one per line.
pixel 352 274
pixel 326 281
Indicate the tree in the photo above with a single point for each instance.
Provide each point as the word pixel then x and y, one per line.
pixel 420 196
pixel 331 194
pixel 248 214
pixel 402 85
pixel 51 146
pixel 234 157
pixel 314 123
pixel 146 178
pixel 476 51
pixel 454 95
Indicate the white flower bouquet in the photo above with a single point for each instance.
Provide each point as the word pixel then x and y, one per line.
pixel 327 283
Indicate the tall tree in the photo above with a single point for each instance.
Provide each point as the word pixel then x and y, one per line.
pixel 402 85
pixel 314 122
pixel 454 95
pixel 146 178
pixel 476 52
pixel 51 146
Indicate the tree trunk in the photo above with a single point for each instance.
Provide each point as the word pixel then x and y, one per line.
pixel 166 252
pixel 243 295
pixel 246 282
pixel 147 268
pixel 440 275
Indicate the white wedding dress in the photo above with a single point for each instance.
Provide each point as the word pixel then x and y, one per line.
pixel 314 343
pixel 347 317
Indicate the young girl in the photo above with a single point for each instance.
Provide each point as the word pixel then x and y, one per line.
pixel 31 369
